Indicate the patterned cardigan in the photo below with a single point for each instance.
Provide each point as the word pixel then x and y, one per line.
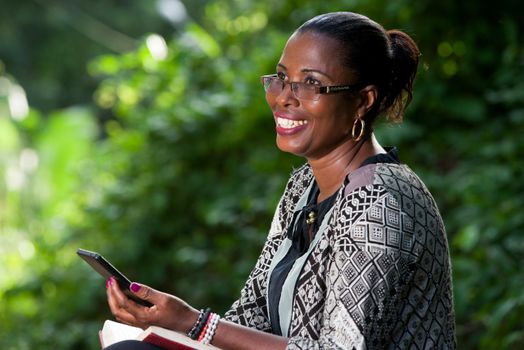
pixel 378 278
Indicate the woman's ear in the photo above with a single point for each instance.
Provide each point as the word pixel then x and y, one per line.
pixel 368 97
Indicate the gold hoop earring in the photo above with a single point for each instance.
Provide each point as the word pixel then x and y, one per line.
pixel 362 128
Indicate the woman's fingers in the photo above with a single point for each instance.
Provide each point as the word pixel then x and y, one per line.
pixel 167 311
pixel 147 293
pixel 124 309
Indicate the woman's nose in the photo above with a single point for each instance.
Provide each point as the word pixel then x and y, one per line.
pixel 287 96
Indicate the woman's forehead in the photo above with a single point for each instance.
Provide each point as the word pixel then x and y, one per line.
pixel 313 51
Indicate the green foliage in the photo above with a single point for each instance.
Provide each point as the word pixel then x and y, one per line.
pixel 172 172
pixel 47 44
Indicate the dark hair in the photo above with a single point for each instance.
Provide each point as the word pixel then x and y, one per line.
pixel 386 59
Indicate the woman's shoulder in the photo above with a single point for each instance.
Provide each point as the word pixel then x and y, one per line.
pixel 392 186
pixel 387 208
pixel 392 177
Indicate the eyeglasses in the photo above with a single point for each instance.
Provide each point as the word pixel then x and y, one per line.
pixel 273 84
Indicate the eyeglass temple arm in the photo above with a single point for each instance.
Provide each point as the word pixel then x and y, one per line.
pixel 331 89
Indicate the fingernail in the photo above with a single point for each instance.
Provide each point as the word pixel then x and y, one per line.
pixel 135 287
pixel 109 282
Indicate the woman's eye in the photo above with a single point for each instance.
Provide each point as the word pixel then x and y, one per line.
pixel 281 76
pixel 312 81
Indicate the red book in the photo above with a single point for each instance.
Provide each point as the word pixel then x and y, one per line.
pixel 113 332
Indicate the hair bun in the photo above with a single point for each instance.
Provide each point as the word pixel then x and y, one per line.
pixel 404 62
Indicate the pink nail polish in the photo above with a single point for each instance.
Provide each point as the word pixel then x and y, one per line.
pixel 135 287
pixel 108 283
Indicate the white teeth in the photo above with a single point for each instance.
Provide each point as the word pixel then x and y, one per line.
pixel 290 124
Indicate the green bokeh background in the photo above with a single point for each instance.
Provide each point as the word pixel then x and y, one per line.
pixel 145 136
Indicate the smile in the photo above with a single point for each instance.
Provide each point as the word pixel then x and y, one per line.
pixel 289 123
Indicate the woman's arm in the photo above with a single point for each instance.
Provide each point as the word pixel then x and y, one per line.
pixel 244 326
pixel 173 313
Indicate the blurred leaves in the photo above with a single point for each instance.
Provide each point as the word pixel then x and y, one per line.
pixel 163 158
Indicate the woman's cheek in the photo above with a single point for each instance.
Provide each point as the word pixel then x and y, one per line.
pixel 270 100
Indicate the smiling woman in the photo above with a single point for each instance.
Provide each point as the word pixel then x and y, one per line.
pixel 357 255
pixel 313 60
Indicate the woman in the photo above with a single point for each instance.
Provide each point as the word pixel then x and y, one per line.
pixel 357 255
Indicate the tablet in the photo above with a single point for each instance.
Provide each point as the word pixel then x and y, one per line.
pixel 106 270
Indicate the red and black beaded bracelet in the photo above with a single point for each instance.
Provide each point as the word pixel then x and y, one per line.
pixel 199 324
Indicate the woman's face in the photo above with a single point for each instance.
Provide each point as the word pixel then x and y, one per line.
pixel 312 129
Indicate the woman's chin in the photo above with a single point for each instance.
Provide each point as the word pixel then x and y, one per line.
pixel 288 147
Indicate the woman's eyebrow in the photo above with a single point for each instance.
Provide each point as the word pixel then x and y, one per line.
pixel 306 70
pixel 309 70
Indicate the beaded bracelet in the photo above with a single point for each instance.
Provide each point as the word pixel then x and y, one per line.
pixel 211 329
pixel 203 333
pixel 201 322
pixel 192 330
pixel 205 330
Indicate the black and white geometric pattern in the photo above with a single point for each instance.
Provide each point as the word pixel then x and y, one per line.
pixel 379 278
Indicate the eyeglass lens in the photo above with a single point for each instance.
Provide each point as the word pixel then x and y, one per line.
pixel 275 85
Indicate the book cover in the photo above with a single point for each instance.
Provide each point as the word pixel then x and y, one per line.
pixel 113 332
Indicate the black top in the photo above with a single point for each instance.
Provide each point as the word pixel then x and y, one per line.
pixel 302 231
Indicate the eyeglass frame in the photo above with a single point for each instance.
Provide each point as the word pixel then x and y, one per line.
pixel 319 90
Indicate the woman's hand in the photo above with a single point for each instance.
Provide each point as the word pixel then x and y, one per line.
pixel 173 313
pixel 167 311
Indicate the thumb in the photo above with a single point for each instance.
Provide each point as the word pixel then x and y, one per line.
pixel 144 292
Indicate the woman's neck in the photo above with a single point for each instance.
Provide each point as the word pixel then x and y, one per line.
pixel 330 170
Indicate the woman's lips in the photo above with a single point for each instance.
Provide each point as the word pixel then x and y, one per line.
pixel 288 125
